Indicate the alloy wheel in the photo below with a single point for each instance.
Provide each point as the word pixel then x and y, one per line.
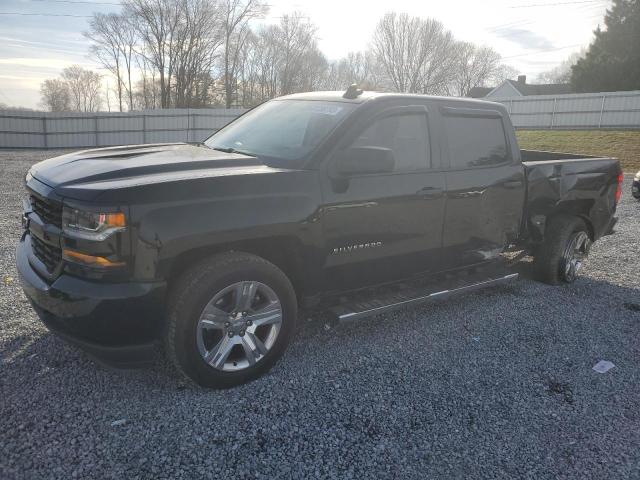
pixel 574 255
pixel 239 326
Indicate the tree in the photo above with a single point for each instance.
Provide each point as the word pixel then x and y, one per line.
pixel 84 88
pixel 113 40
pixel 562 72
pixel 280 59
pixel 236 16
pixel 297 45
pixel 156 23
pixel 179 42
pixel 612 61
pixel 196 53
pixel 415 54
pixel 357 67
pixel 474 66
pixel 502 73
pixel 55 95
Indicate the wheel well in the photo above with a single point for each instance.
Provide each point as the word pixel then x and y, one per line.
pixel 283 252
pixel 575 209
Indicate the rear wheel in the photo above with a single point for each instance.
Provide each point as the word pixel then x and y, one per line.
pixel 562 254
pixel 229 319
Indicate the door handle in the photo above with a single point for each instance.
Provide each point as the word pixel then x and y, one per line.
pixel 512 184
pixel 430 192
pixel 471 193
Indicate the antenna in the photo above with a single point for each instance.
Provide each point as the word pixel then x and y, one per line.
pixel 352 92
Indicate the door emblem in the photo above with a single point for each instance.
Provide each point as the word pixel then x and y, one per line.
pixel 359 246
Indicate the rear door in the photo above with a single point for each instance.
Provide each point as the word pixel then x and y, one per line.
pixel 485 186
pixel 380 227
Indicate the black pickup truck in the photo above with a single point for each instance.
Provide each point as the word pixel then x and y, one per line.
pixel 210 248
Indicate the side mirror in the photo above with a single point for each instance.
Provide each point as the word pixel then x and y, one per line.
pixel 365 160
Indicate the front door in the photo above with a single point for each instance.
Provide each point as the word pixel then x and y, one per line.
pixel 381 227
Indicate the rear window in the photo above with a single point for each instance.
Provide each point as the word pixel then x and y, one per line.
pixel 476 141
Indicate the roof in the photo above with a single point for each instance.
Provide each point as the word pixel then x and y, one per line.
pixel 526 89
pixel 337 96
pixel 479 92
pixel 545 89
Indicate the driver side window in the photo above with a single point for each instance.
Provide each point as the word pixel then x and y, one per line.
pixel 405 135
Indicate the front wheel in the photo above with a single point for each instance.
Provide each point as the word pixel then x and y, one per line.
pixel 229 319
pixel 565 248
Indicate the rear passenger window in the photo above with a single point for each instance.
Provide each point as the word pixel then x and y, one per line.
pixel 405 135
pixel 475 141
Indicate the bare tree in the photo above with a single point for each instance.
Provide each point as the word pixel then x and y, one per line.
pixel 281 59
pixel 180 41
pixel 236 16
pixel 147 94
pixel 146 91
pixel 502 73
pixel 312 71
pixel 203 52
pixel 113 40
pixel 199 37
pixel 297 41
pixel 357 67
pixel 561 73
pixel 84 88
pixel 55 95
pixel 415 54
pixel 156 22
pixel 474 66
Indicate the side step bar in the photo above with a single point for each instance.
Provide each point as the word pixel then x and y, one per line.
pixel 345 314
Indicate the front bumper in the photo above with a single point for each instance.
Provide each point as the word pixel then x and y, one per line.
pixel 117 323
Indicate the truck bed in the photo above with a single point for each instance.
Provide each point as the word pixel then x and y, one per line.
pixel 544 156
pixel 580 184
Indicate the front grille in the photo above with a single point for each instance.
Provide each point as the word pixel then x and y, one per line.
pixel 49 255
pixel 49 211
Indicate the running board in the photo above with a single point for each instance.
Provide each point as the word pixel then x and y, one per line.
pixel 355 311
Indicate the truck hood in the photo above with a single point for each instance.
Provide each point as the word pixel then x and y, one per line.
pixel 114 163
pixel 86 173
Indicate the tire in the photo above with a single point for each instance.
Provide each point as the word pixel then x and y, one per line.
pixel 230 341
pixel 552 263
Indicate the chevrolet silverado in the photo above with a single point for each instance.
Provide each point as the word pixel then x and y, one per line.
pixel 210 248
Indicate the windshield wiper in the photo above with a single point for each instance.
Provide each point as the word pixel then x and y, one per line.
pixel 233 150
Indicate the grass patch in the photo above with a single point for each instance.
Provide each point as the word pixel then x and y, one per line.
pixel 623 145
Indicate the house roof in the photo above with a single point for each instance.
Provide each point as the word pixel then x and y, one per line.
pixel 523 88
pixel 526 89
pixel 479 92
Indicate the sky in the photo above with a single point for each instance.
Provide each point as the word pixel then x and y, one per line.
pixel 531 35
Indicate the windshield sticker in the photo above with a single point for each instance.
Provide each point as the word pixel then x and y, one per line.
pixel 326 109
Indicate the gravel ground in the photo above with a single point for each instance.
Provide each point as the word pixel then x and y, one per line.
pixel 497 384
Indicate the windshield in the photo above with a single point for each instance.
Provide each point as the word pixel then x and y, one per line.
pixel 282 132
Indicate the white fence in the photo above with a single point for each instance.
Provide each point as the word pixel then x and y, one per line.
pixel 611 110
pixel 20 129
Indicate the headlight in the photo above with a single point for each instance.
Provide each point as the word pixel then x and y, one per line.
pixel 28 177
pixel 637 177
pixel 88 225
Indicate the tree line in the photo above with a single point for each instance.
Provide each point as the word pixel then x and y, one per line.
pixel 199 53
